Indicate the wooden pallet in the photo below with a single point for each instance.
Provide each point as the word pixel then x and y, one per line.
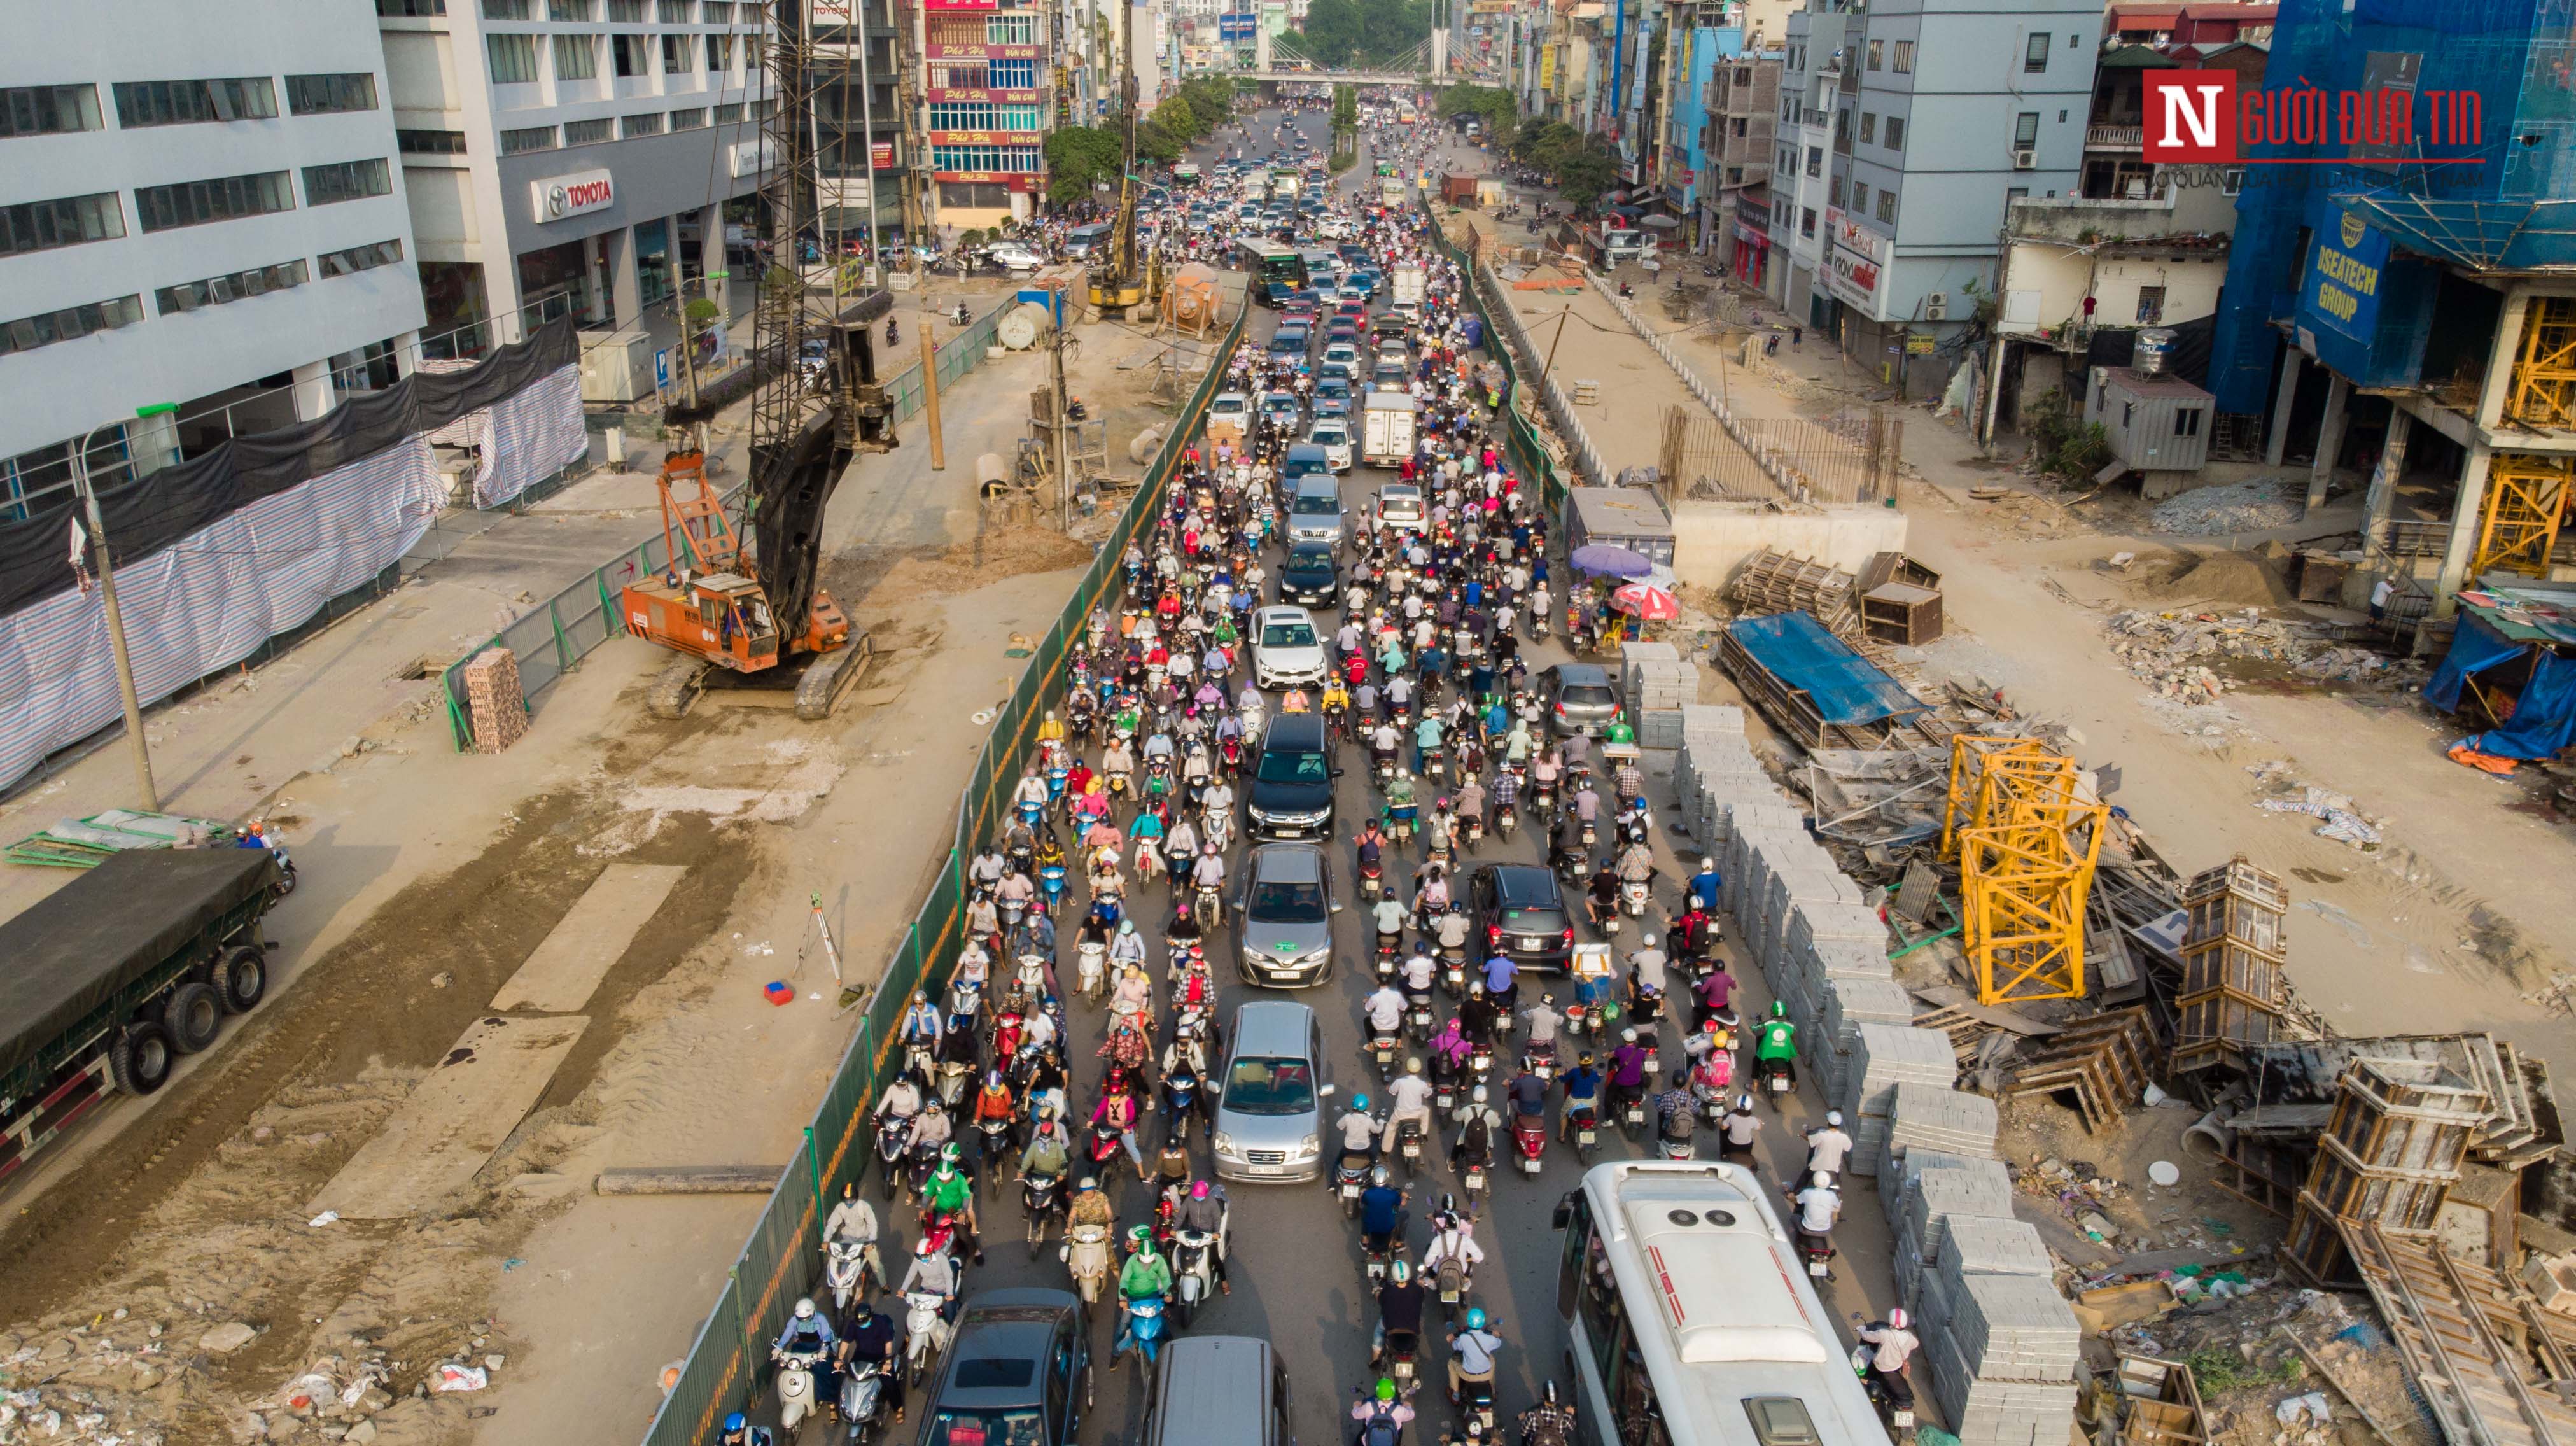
pixel 2103 1060
pixel 2443 1314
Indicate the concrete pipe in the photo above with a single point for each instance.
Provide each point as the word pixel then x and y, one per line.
pixel 2209 1137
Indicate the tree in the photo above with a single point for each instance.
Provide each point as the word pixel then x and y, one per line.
pixel 1078 157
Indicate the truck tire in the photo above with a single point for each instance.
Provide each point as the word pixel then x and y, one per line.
pixel 140 1059
pixel 193 1014
pixel 241 977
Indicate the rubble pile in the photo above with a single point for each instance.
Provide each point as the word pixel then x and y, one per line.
pixel 2254 506
pixel 2181 655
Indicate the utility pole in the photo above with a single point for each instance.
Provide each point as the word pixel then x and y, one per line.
pixel 1063 462
pixel 135 743
pixel 1550 364
pixel 930 397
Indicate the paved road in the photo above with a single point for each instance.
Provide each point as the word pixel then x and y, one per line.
pixel 1296 1262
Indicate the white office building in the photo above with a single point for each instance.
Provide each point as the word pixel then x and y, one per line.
pixel 202 230
pixel 570 156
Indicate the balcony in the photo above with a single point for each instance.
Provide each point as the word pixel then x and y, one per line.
pixel 2100 137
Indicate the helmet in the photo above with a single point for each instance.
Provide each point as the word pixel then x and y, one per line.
pixel 1180 911
pixel 1199 1190
pixel 1779 1010
pixel 1413 1066
pixel 1476 990
pixel 1821 1181
pixel 1476 1318
pixel 1385 1389
pixel 1359 1102
pixel 1547 1393
pixel 1707 866
pixel 1744 1103
pixel 992 1078
pixel 1378 1175
pixel 1588 1060
pixel 1401 1271
pixel 734 1421
pixel 1477 1094
pixel 1046 1114
pixel 1449 1207
pixel 1897 1318
pixel 1547 999
pixel 920 997
pixel 805 1308
pixel 1140 1236
pixel 1404 773
pixel 1125 926
pixel 849 1189
pixel 1628 1036
pixel 921 1247
pixel 1087 1182
pixel 1650 941
pixel 1834 1119
pixel 1050 715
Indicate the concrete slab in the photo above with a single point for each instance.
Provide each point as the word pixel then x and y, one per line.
pixel 559 977
pixel 454 1121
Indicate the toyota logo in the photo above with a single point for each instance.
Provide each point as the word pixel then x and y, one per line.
pixel 557 203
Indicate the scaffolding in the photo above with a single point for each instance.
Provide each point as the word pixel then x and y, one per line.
pixel 2544 376
pixel 2025 834
pixel 2526 504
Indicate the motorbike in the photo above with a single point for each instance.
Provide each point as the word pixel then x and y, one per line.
pixel 1453 970
pixel 1452 1284
pixel 1402 1358
pixel 1632 897
pixel 892 1134
pixel 1417 1012
pixel 1372 882
pixel 1476 1404
pixel 1480 1061
pixel 1142 1332
pixel 1471 832
pixel 1471 1179
pixel 796 1372
pixel 1091 970
pixel 1674 1141
pixel 1051 886
pixel 953 1077
pixel 1180 1103
pixel 1390 952
pixel 925 1327
pixel 996 1147
pixel 1540 1060
pixel 1818 1252
pixel 1104 1144
pixel 1529 1141
pixel 845 1260
pixel 1350 1177
pixel 1210 902
pixel 1892 1395
pixel 862 1401
pixel 1041 1198
pixel 1774 1075
pixel 1587 1132
pixel 1506 820
pixel 1409 1146
pixel 1085 1253
pixel 1193 1273
pixel 1382 1046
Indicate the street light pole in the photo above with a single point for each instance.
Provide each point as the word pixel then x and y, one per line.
pixel 135 743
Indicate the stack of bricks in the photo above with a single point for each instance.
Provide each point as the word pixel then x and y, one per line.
pixel 2003 1343
pixel 1953 1122
pixel 1656 684
pixel 493 700
pixel 1768 823
pixel 1716 773
pixel 1924 1195
pixel 1849 1004
pixel 1884 1056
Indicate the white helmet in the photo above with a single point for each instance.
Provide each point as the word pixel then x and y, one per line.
pixel 805 1308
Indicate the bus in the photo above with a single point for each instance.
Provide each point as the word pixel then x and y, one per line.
pixel 1276 270
pixel 1689 1319
pixel 1185 174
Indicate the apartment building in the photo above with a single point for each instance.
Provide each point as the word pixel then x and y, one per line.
pixel 854 80
pixel 202 231
pixel 985 78
pixel 570 156
pixel 1742 140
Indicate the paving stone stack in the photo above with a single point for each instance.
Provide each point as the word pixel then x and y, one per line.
pixel 1882 1057
pixel 1836 938
pixel 1656 683
pixel 1939 1118
pixel 1849 1004
pixel 1924 1195
pixel 2003 1344
pixel 1716 773
pixel 498 709
pixel 1780 822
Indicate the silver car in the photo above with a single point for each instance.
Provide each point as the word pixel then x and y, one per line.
pixel 1284 916
pixel 1270 1104
pixel 1582 697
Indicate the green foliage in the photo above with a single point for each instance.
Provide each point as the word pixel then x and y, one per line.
pixel 1500 114
pixel 973 237
pixel 2065 445
pixel 1079 156
pixel 1355 32
pixel 2218 1369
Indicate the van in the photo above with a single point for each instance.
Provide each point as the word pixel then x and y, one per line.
pixel 1290 792
pixel 1081 241
pixel 1305 459
pixel 1218 1391
pixel 1315 509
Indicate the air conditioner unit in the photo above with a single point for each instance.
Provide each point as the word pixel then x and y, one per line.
pixel 1936 306
pixel 2025 160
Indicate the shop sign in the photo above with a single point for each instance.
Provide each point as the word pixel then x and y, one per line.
pixel 750 158
pixel 935 6
pixel 562 197
pixel 1844 229
pixel 1854 280
pixel 973 92
pixel 1016 180
pixel 1920 343
pixel 881 155
pixel 984 52
pixel 985 138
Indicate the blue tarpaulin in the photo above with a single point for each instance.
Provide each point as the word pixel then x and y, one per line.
pixel 2544 716
pixel 2475 647
pixel 1844 686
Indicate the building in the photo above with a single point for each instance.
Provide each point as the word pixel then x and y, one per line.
pixel 2221 22
pixel 861 152
pixel 1810 79
pixel 202 231
pixel 1677 165
pixel 2409 323
pixel 571 156
pixel 1734 197
pixel 985 77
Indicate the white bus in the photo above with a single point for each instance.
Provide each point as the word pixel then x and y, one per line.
pixel 1689 1319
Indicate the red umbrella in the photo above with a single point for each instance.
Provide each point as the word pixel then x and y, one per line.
pixel 1650 604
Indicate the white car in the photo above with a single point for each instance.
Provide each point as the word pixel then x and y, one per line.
pixel 1231 409
pixel 1286 648
pixel 1014 257
pixel 1399 504
pixel 1333 434
pixel 1336 228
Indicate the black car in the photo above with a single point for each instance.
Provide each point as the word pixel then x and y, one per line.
pixel 1312 575
pixel 1017 1370
pixel 1518 910
pixel 1290 792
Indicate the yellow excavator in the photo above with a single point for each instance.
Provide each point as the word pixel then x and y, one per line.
pixel 1118 280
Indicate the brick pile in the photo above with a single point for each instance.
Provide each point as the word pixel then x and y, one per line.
pixel 1884 1056
pixel 1936 1118
pixel 1655 685
pixel 493 702
pixel 1924 1195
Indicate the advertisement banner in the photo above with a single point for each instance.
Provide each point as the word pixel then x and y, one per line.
pixel 881 155
pixel 2341 289
pixel 562 197
pixel 940 93
pixel 983 52
pixel 936 6
pixel 1237 26
pixel 1843 229
pixel 985 138
pixel 1853 280
pixel 1017 181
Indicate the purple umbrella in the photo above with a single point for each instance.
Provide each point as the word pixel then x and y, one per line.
pixel 1603 560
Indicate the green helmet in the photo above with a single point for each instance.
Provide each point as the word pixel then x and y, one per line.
pixel 1779 1010
pixel 1385 1389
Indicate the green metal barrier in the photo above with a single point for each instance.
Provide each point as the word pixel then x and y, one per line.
pixel 727 1365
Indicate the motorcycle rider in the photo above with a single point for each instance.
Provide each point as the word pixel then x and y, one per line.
pixel 738 1431
pixel 869 1336
pixel 1737 1129
pixel 1543 1021
pixel 1896 1344
pixel 1819 1205
pixel 1382 1417
pixel 1828 1146
pixel 1050 1147
pixel 921 1026
pixel 1382 1212
pixel 1549 1423
pixel 993 1102
pixel 1145 1275
pixel 931 1131
pixel 807 1332
pixel 1385 1010
pixel 1646 972
pixel 1399 1312
pixel 1408 1098
pixel 1452 1238
pixel 1472 1350
pixel 1388 916
pixel 1582 1096
pixel 1127 948
pixel 853 1218
pixel 1627 1069
pixel 1775 1045
pixel 1474 1147
pixel 1704 887
pixel 950 1192
pixel 1359 1132
pixel 1205 1210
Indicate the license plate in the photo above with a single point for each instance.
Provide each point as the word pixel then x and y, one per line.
pixel 1778 1084
pixel 1412 1150
pixel 1475 1179
pixel 1816 1268
pixel 1350 1192
pixel 1904 1420
pixel 1584 1137
pixel 1533 943
pixel 1263 1169
pixel 1281 971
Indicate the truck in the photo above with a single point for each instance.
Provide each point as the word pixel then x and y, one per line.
pixel 114 976
pixel 1387 440
pixel 1458 189
pixel 1390 191
pixel 1608 247
pixel 1404 285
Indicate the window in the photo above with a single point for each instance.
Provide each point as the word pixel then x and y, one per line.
pixel 1834 193
pixel 192 102
pixel 648 124
pixel 625 12
pixel 716 12
pixel 1902 62
pixel 513 58
pixel 719 54
pixel 360 258
pixel 575 10
pixel 1010 74
pixel 227 198
pixel 2015 193
pixel 729 113
pixel 673 12
pixel 1815 161
pixel 1807 222
pixel 2034 56
pixel 239 286
pixel 1860 196
pixel 689 120
pixel 1020 159
pixel 330 94
pixel 2025 130
pixel 2187 422
pixel 632 54
pixel 2151 305
pixel 430 143
pixel 1869 127
pixel 70 221
pixel 409 9
pixel 675 54
pixel 534 138
pixel 576 57
pixel 588 132
pixel 346 181
pixel 48 110
pixel 72 322
pixel 1887 206
pixel 1877 53
pixel 505 9
pixel 1896 133
pixel 1015 29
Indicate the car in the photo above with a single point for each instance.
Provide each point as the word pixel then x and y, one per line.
pixel 1333 396
pixel 1390 373
pixel 1336 227
pixel 1353 291
pixel 1333 434
pixel 1286 648
pixel 1342 329
pixel 1399 504
pixel 1289 794
pixel 1280 408
pixel 1342 372
pixel 1198 222
pixel 1311 575
pixel 1581 699
pixel 1283 916
pixel 1012 256
pixel 1518 910
pixel 1368 279
pixel 1315 509
pixel 1342 351
pixel 1288 343
pixel 1230 409
pixel 1017 1369
pixel 1270 1099
pixel 1357 256
pixel 1081 241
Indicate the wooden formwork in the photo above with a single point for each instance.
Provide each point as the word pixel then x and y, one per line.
pixel 2388 1156
pixel 2102 1061
pixel 2231 995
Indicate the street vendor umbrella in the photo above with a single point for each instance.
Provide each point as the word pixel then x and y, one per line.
pixel 1602 560
pixel 1660 223
pixel 1649 604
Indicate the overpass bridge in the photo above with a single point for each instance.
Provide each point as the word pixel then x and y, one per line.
pixel 1427 59
pixel 1332 77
